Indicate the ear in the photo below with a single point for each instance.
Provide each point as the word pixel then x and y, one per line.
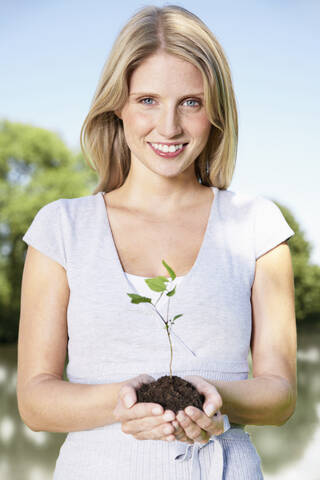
pixel 118 113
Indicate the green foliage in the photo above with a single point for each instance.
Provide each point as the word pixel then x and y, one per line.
pixel 36 168
pixel 135 298
pixel 170 271
pixel 306 274
pixel 157 284
pixel 172 292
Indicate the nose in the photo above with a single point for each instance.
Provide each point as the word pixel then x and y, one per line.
pixel 168 123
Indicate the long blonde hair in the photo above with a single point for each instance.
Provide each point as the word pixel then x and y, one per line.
pixel 176 31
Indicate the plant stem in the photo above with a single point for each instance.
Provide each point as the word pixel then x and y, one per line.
pixel 177 336
pixel 171 353
pixel 157 311
pixel 170 350
pixel 158 299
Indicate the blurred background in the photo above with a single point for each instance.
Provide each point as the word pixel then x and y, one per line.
pixel 52 54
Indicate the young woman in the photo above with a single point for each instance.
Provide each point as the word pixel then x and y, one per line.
pixel 162 135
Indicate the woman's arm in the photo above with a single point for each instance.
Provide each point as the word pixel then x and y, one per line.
pixel 50 404
pixel 269 398
pixel 45 401
pixel 264 400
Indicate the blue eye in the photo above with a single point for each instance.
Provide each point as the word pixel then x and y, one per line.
pixel 148 98
pixel 143 101
pixel 191 100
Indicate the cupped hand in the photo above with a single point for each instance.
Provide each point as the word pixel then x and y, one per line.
pixel 193 423
pixel 139 419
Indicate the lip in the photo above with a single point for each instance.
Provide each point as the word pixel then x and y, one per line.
pixel 168 154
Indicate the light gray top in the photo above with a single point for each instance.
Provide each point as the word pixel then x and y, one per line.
pixel 111 339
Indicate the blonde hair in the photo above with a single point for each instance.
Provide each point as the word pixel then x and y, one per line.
pixel 176 31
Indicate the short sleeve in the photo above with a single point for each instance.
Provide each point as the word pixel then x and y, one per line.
pixel 45 233
pixel 270 226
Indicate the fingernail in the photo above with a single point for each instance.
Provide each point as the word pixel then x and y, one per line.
pixel 181 416
pixel 128 401
pixel 209 409
pixel 168 416
pixel 156 411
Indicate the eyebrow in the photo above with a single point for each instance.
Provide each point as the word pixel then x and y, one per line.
pixel 156 95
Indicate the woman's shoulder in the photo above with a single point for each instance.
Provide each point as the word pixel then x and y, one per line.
pixel 73 203
pixel 258 216
pixel 238 201
pixel 249 206
pixel 71 207
pixel 58 225
pixel 66 214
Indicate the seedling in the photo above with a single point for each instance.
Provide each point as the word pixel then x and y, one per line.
pixel 161 284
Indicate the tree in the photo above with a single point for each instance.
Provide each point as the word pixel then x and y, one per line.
pixel 306 274
pixel 35 168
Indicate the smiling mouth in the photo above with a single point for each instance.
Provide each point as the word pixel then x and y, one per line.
pixel 166 153
pixel 162 145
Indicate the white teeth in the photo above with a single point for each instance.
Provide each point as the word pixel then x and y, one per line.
pixel 165 148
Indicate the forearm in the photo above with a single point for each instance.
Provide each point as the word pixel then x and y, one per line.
pixel 263 400
pixel 55 405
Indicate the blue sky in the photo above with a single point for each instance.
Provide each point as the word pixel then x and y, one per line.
pixel 52 54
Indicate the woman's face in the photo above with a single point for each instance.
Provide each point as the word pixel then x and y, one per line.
pixel 165 106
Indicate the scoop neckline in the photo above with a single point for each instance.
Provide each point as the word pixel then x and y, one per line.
pixel 124 282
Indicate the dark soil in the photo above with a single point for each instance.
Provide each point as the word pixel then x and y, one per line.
pixel 171 393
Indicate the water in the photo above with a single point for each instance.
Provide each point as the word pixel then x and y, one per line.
pixel 290 452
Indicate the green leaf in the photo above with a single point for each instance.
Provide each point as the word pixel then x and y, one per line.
pixel 135 298
pixel 157 284
pixel 170 271
pixel 172 292
pixel 177 316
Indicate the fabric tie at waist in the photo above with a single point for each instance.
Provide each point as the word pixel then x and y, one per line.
pixel 184 451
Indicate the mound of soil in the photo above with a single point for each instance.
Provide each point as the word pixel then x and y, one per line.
pixel 171 393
